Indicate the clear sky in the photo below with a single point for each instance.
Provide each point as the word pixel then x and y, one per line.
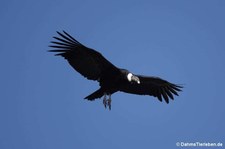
pixel 41 96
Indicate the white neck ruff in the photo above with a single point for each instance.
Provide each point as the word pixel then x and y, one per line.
pixel 129 76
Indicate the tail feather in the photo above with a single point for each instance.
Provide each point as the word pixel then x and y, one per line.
pixel 97 94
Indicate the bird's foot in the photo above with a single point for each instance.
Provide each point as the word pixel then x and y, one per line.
pixel 107 102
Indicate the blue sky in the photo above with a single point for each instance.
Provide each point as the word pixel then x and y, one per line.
pixel 41 99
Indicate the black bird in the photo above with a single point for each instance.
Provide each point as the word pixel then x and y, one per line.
pixel 92 65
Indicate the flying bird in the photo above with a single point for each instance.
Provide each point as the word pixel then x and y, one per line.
pixel 94 66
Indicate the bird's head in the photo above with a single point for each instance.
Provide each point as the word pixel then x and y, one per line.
pixel 133 78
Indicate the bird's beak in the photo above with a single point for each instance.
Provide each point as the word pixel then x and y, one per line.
pixel 136 79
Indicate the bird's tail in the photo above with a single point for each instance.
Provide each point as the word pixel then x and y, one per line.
pixel 97 94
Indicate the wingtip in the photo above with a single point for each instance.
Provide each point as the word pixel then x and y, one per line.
pixel 60 32
pixel 180 86
pixel 52 50
pixel 57 54
pixel 65 32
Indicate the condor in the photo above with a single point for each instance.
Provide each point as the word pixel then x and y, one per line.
pixel 92 65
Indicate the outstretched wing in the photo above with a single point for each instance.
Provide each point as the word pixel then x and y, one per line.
pixel 86 61
pixel 153 86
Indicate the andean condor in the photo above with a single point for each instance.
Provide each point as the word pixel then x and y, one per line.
pixel 92 65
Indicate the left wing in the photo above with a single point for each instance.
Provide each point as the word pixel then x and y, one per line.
pixel 88 62
pixel 153 86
